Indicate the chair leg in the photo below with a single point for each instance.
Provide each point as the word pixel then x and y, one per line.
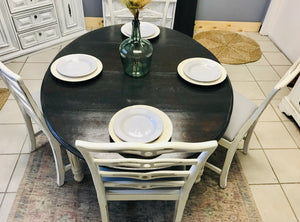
pixel 247 139
pixel 59 165
pixel 75 166
pixel 227 163
pixel 30 131
pixel 198 179
pixel 104 212
pixel 179 208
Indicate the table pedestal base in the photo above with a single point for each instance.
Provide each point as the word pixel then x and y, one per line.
pixel 76 167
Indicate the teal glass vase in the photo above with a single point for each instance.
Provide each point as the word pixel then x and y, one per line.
pixel 136 53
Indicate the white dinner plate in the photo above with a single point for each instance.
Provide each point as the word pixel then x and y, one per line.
pixel 76 65
pixel 146 29
pixel 93 74
pixel 138 125
pixel 204 70
pixel 180 70
pixel 167 126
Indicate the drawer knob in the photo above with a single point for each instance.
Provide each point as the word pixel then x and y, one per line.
pixel 35 16
pixel 40 34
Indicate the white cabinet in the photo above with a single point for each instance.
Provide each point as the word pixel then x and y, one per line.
pixel 30 25
pixel 159 12
pixel 290 104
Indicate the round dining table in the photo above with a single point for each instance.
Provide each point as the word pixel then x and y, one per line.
pixel 82 110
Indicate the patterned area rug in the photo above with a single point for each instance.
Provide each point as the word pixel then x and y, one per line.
pixel 230 47
pixel 40 199
pixel 4 94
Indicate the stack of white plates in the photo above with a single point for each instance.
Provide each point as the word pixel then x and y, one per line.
pixel 140 123
pixel 147 29
pixel 76 67
pixel 202 71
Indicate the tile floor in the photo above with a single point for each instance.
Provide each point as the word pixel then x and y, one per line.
pixel 272 166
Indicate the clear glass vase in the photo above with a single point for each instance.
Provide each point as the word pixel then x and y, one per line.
pixel 136 53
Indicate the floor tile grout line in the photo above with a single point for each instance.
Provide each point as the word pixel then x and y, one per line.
pixel 12 174
pixel 269 183
pixel 272 168
pixel 276 71
pixel 11 178
pixel 286 196
pixel 19 73
pixel 12 123
pixel 290 134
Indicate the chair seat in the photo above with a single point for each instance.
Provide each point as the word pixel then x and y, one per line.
pixel 242 109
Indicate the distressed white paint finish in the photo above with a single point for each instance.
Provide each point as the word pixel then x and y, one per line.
pixel 245 132
pixel 28 26
pixel 30 111
pixel 145 179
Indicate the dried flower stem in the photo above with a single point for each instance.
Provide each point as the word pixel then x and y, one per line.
pixel 135 5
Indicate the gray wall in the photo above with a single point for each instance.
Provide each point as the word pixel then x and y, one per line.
pixel 232 10
pixel 92 8
pixel 216 10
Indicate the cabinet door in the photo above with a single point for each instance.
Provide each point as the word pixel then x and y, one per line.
pixel 70 16
pixel 8 41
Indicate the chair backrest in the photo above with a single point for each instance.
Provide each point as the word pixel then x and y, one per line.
pixel 292 72
pixel 141 177
pixel 159 12
pixel 22 95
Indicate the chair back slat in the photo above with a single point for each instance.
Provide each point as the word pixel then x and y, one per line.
pixel 147 150
pixel 143 185
pixel 20 92
pixel 146 176
pixel 144 163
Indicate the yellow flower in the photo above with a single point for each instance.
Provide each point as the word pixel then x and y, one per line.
pixel 135 5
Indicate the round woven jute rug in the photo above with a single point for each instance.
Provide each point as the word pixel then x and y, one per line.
pixel 230 47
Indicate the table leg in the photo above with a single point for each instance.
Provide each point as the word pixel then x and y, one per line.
pixel 76 167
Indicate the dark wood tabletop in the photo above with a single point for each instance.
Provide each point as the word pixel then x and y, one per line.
pixel 83 110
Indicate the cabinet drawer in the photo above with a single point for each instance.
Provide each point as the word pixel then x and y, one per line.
pixel 20 5
pixel 39 36
pixel 34 19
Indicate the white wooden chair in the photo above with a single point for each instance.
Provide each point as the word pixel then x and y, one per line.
pixel 159 12
pixel 243 120
pixel 30 109
pixel 157 181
